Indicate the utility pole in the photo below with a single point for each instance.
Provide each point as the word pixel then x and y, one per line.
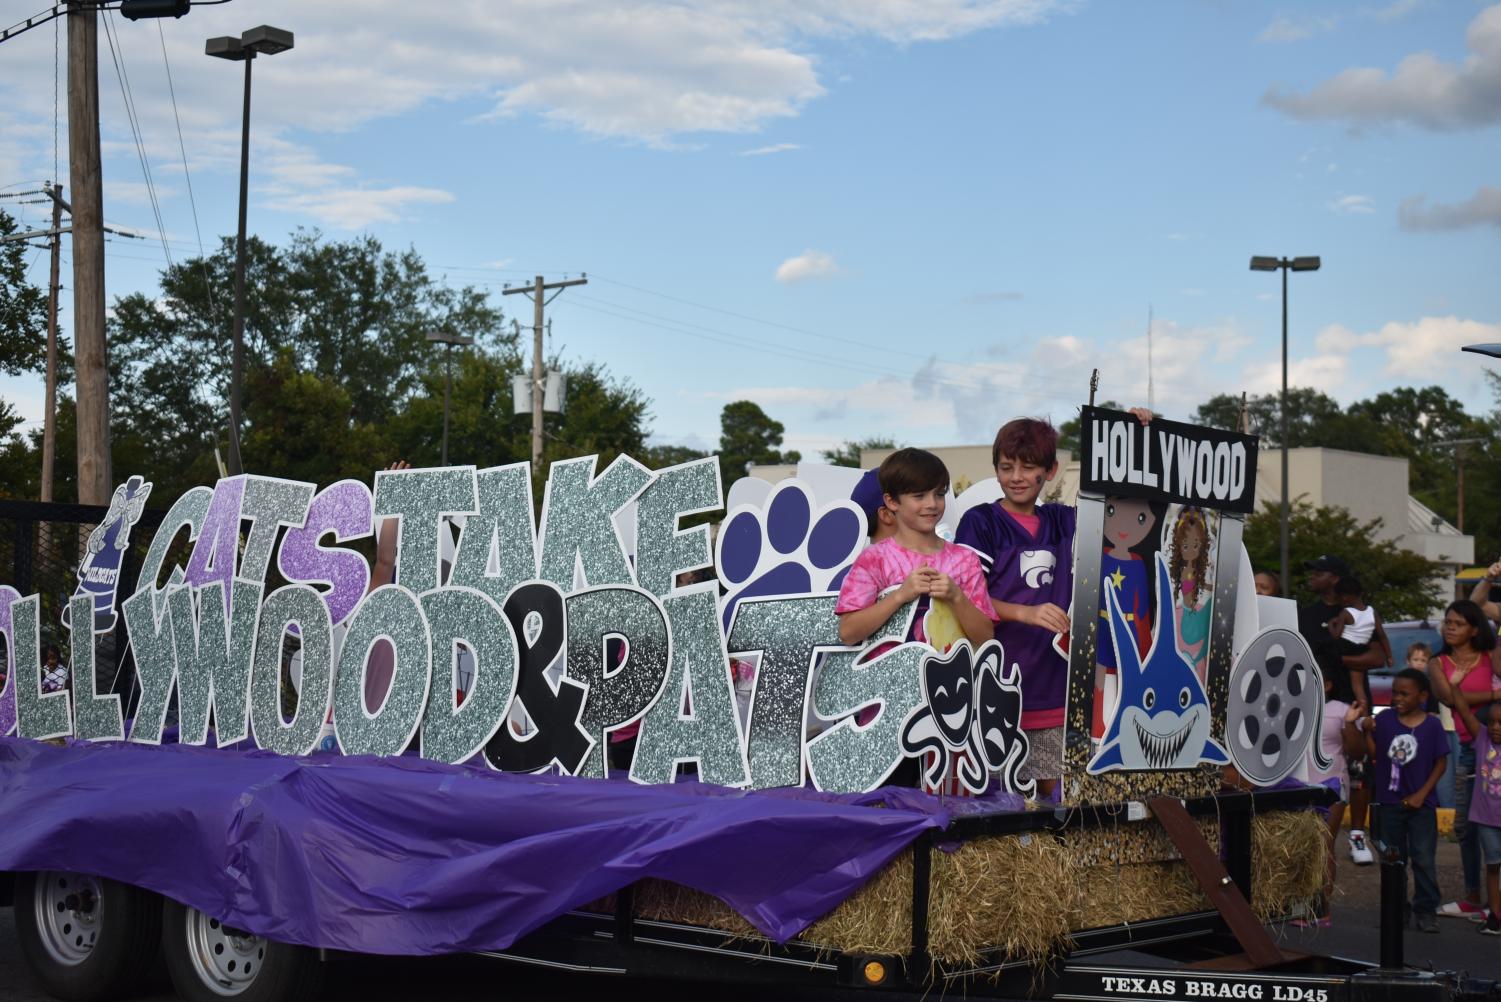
pixel 54 290
pixel 537 293
pixel 92 378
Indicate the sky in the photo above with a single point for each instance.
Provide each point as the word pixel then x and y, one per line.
pixel 876 218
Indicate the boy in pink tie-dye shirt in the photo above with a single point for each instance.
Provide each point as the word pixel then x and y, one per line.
pixel 915 562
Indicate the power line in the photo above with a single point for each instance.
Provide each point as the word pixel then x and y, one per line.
pixel 135 128
pixel 192 203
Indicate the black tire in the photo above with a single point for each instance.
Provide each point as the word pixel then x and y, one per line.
pixel 86 938
pixel 207 962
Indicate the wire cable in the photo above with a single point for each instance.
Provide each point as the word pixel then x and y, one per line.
pixel 135 129
pixel 208 285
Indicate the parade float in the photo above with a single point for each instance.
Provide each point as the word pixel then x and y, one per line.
pixel 256 793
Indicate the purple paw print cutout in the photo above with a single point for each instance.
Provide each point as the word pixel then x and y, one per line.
pixel 786 546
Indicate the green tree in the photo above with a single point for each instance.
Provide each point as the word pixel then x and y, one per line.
pixel 1068 431
pixel 1313 419
pixel 657 457
pixel 747 436
pixel 848 454
pixel 23 309
pixel 1399 583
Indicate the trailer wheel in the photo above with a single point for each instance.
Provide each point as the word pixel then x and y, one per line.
pixel 210 961
pixel 85 938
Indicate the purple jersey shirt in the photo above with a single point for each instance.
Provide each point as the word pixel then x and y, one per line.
pixel 1027 571
pixel 1485 802
pixel 1405 756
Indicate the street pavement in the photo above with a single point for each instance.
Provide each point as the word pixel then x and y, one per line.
pixel 1355 934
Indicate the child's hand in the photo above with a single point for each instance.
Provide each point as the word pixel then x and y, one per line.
pixel 941 586
pixel 1494 570
pixel 1412 802
pixel 1355 712
pixel 1048 616
pixel 919 582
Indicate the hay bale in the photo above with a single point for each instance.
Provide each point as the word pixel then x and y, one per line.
pixel 1136 892
pixel 1014 893
pixel 1021 894
pixel 1289 850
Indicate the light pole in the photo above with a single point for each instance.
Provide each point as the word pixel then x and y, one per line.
pixel 1284 264
pixel 268 41
pixel 450 340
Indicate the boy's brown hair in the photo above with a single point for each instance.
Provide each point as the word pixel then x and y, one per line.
pixel 1031 440
pixel 912 471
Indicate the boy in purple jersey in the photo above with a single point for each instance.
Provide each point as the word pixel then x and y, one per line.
pixel 1027 551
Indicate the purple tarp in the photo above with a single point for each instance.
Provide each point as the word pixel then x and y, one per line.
pixel 406 856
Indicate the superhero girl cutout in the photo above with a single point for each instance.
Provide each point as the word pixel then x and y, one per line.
pixel 1162 719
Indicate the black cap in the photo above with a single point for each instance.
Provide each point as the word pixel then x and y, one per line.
pixel 1334 565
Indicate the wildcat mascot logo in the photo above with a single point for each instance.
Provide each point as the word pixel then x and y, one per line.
pixel 99 573
pixel 1162 718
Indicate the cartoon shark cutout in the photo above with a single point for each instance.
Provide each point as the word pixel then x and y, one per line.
pixel 1162 717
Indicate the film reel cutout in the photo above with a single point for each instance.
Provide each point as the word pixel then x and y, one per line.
pixel 1276 706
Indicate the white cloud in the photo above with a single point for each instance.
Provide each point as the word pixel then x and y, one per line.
pixel 1396 9
pixel 1353 205
pixel 809 264
pixel 356 208
pixel 648 71
pixel 761 151
pixel 1428 347
pixel 1424 90
pixel 1286 29
pixel 1481 209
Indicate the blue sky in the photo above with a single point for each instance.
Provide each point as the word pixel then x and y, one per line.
pixel 874 217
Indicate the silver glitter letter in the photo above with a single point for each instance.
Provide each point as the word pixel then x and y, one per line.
pixel 37 716
pixel 578 528
pixel 300 604
pixel 619 690
pixel 504 526
pixel 389 613
pixel 213 660
pixel 95 717
pixel 661 550
pixel 188 511
pixel 848 758
pixel 788 633
pixel 269 504
pixel 420 498
pixel 709 733
pixel 156 662
pixel 469 618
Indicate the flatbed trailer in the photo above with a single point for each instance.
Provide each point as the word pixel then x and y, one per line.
pixel 1196 955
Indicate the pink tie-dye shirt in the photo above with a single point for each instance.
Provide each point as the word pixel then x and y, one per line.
pixel 886 564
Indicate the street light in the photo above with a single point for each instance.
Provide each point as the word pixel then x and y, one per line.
pixel 268 41
pixel 450 340
pixel 1284 264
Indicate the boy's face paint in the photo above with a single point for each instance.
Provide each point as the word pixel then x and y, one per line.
pixel 1022 482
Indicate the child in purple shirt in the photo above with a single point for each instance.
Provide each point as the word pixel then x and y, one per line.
pixel 1407 746
pixel 1485 802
